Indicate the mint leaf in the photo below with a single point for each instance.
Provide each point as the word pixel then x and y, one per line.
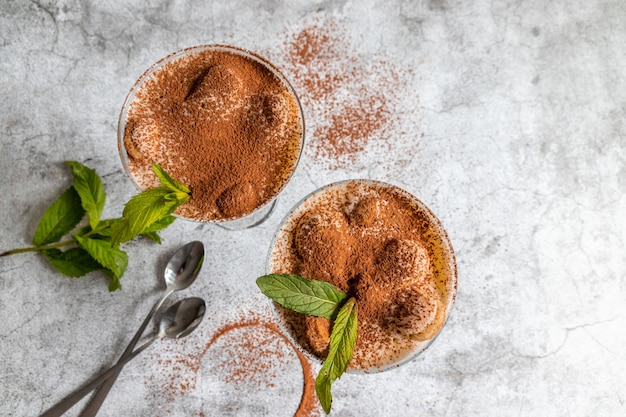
pixel 114 282
pixel 322 389
pixel 160 224
pixel 74 262
pixel 342 341
pixel 142 211
pixel 167 181
pixel 154 236
pixel 151 231
pixel 148 208
pixel 312 297
pixel 109 257
pixel 103 229
pixel 89 187
pixel 59 219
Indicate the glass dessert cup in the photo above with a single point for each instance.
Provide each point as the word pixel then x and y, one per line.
pixel 402 271
pixel 272 116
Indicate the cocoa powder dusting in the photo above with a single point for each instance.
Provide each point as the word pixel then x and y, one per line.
pixel 354 101
pixel 219 122
pixel 249 355
pixel 374 242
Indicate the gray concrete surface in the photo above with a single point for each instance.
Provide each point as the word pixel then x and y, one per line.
pixel 507 118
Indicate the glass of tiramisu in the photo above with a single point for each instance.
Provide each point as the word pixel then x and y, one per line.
pixel 223 121
pixel 384 247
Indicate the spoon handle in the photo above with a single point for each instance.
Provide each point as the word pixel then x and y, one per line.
pixel 66 403
pixel 96 401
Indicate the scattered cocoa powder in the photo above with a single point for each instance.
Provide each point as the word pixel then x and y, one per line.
pixel 355 102
pixel 377 243
pixel 251 359
pixel 219 121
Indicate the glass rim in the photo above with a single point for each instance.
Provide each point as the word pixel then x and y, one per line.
pixel 443 236
pixel 121 124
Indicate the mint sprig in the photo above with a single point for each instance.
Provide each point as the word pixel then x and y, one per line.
pixel 315 298
pixel 320 299
pixel 96 246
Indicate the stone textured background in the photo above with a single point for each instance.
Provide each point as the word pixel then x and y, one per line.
pixel 506 117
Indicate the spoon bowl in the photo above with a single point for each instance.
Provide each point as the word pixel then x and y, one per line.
pixel 182 318
pixel 182 270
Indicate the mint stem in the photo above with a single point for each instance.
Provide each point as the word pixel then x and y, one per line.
pixel 37 248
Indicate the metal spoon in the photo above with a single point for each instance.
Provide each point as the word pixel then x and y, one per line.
pixel 180 272
pixel 178 321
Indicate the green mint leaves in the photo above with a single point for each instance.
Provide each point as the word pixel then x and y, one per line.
pixel 140 212
pixel 315 298
pixel 59 219
pixel 320 299
pixel 112 260
pixel 95 247
pixel 167 181
pixel 89 187
pixel 73 262
pixel 149 208
pixel 342 341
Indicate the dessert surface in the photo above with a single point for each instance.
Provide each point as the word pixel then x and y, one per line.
pixel 221 122
pixel 382 246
